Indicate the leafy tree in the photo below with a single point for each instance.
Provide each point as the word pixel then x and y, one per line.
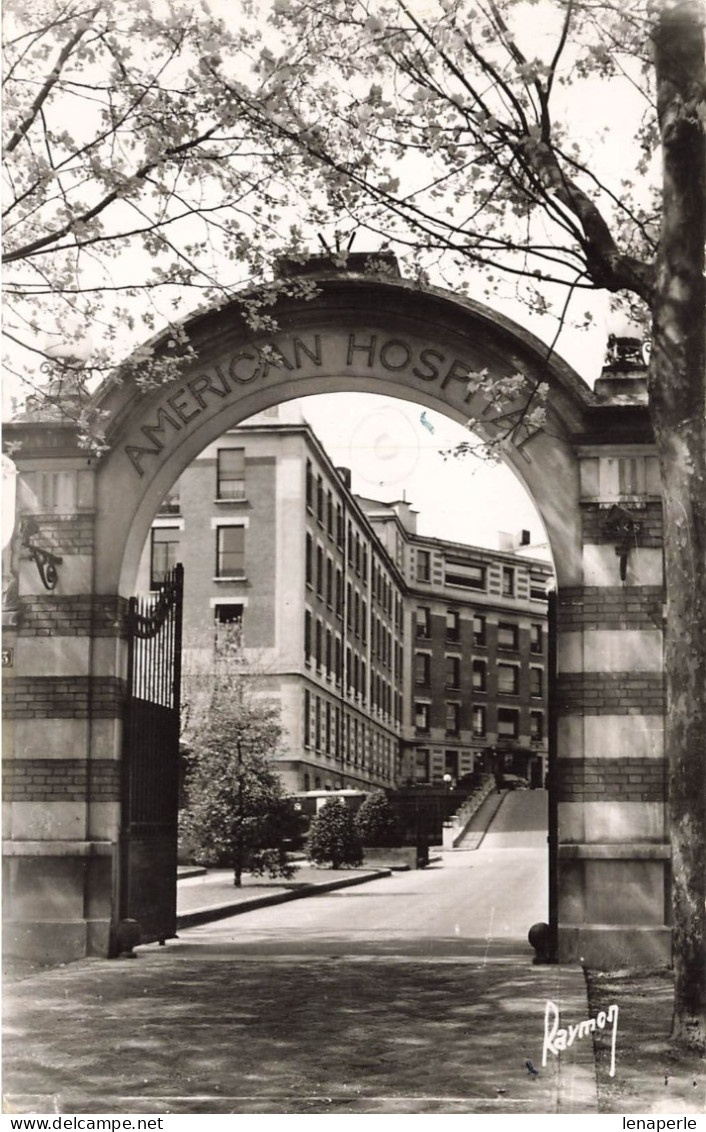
pixel 236 806
pixel 376 822
pixel 332 838
pixel 132 190
pixel 464 136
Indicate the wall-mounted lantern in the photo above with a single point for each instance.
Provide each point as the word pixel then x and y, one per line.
pixel 44 560
pixel 620 524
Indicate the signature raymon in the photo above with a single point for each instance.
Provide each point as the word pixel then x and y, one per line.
pixel 558 1038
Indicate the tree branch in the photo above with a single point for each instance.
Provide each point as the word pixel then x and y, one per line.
pixel 52 78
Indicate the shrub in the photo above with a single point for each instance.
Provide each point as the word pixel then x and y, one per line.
pixel 376 822
pixel 332 837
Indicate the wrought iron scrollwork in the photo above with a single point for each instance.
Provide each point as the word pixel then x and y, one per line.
pixel 146 620
pixel 44 560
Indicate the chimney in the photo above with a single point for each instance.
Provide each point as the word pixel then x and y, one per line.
pixel 344 475
pixel 406 515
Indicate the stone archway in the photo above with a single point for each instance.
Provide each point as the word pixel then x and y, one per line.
pixel 64 693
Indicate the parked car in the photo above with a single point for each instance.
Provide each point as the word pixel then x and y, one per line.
pixel 515 782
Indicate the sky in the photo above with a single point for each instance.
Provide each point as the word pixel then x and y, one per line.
pixel 393 449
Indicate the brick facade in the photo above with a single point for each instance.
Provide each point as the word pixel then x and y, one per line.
pixel 610 693
pixel 74 615
pixel 611 780
pixel 64 697
pixel 648 515
pixel 61 780
pixel 66 534
pixel 610 607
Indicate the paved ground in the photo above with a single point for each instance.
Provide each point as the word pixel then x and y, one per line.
pixel 212 1033
pixel 413 993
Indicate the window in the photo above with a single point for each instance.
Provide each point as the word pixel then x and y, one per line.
pixel 479 636
pixel 329 514
pixel 230 464
pixel 329 652
pixel 536 682
pixel 171 504
pixel 422 667
pixel 329 583
pixel 451 763
pixel 328 728
pixel 230 552
pixel 309 487
pixel 458 572
pixel 309 560
pixel 478 721
pixel 318 654
pixel 340 529
pixel 508 679
pixel 423 621
pixel 164 549
pixel 421 716
pixel 508 581
pixel 507 636
pixel 307 718
pixel 453 672
pixel 453 718
pixel 423 566
pixel 307 635
pixel 320 500
pixel 480 675
pixel 317 723
pixel 536 726
pixel 228 614
pixel 508 723
pixel 319 571
pixel 339 593
pixel 421 765
pixel 536 638
pixel 453 625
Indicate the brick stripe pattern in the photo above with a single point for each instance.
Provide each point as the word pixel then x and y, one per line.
pixel 650 518
pixel 612 780
pixel 66 534
pixel 610 607
pixel 80 615
pixel 610 693
pixel 61 780
pixel 64 697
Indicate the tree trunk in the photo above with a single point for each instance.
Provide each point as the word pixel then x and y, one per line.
pixel 678 406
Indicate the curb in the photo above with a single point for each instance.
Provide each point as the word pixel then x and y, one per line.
pixel 221 911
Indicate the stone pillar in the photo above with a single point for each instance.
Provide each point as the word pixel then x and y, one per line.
pixel 613 852
pixel 63 696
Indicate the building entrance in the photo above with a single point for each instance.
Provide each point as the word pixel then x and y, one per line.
pixel 590 470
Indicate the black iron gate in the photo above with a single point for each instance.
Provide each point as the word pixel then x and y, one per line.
pixel 150 788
